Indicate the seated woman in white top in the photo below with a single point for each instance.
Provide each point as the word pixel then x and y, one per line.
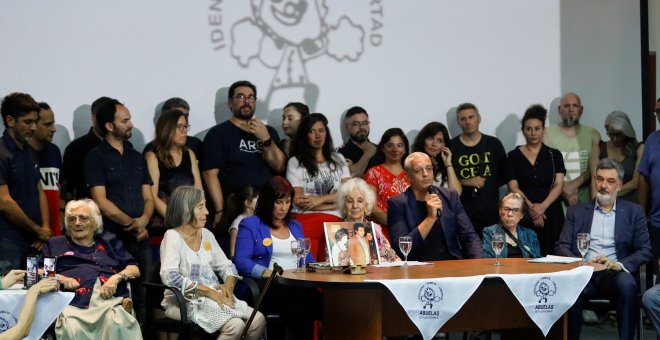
pixel 190 258
pixel 315 172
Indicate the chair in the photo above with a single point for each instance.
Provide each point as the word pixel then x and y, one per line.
pixel 160 323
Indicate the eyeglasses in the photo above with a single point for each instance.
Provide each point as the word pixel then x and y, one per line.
pixel 73 218
pixel 615 134
pixel 243 98
pixel 360 124
pixel 507 210
pixel 183 127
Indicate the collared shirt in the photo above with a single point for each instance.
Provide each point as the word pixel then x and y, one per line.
pixel 601 238
pixel 20 172
pixel 649 165
pixel 122 175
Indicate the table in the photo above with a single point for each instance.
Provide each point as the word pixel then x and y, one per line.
pixel 355 309
pixel 49 306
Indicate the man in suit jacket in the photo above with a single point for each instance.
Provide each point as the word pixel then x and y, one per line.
pixel 619 245
pixel 439 227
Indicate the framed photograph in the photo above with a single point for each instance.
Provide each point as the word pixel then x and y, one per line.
pixel 351 243
pixel 49 267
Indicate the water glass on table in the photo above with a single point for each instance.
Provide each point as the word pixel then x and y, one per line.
pixel 583 245
pixel 497 242
pixel 405 245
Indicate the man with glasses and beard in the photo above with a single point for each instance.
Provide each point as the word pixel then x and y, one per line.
pixel 357 150
pixel 240 151
pixel 575 141
pixel 619 245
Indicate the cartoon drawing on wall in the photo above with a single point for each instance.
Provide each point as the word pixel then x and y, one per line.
pixel 285 35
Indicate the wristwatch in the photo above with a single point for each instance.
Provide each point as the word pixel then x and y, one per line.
pixel 267 142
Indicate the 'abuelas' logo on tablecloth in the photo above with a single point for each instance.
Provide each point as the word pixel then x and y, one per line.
pixel 429 294
pixel 544 288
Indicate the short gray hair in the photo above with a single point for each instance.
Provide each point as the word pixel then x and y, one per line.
pixel 407 164
pixel 347 187
pixel 518 197
pixel 93 209
pixel 607 163
pixel 181 206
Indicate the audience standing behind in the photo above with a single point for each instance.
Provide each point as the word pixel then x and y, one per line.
pixel 292 114
pixel 575 141
pixel 24 225
pixel 385 174
pixel 240 151
pixel 119 183
pixel 171 164
pixel 623 148
pixel 479 163
pixel 315 172
pixel 50 162
pixel 241 205
pixel 434 139
pixel 536 172
pixel 357 150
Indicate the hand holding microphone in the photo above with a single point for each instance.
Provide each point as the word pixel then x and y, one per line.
pixel 434 201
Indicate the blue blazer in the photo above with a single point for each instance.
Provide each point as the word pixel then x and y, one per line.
pixel 403 215
pixel 631 237
pixel 251 256
pixel 525 236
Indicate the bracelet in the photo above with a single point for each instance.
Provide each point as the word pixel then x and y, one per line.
pixel 219 211
pixel 449 166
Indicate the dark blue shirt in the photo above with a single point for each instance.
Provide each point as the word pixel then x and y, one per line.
pixel 122 175
pixel 238 155
pixel 105 258
pixel 20 172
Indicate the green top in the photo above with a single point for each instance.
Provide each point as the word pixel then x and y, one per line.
pixel 575 152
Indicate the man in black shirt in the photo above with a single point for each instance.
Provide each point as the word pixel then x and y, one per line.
pixel 72 182
pixel 357 150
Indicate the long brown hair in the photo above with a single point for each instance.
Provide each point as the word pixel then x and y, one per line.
pixel 164 136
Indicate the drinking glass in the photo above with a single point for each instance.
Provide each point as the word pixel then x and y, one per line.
pixel 306 243
pixel 405 244
pixel 497 241
pixel 583 245
pixel 297 250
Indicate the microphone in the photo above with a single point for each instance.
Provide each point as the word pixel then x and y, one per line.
pixel 433 190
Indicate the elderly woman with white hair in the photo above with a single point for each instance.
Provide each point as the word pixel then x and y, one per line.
pixel 622 148
pixel 96 267
pixel 355 200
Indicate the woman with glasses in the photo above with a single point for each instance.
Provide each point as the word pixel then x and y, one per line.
pixel 622 148
pixel 433 139
pixel 315 172
pixel 536 172
pixel 520 241
pixel 171 165
pixel 96 267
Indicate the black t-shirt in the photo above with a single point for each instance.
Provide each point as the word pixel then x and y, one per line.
pixel 238 155
pixel 485 159
pixel 72 164
pixel 435 245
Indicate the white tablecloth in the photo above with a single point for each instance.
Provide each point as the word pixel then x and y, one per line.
pixel 545 297
pixel 48 307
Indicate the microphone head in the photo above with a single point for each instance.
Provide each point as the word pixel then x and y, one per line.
pixel 432 189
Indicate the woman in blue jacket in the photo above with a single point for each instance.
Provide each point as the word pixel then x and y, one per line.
pixel 520 241
pixel 265 238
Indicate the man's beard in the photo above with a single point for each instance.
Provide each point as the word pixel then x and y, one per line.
pixel 571 122
pixel 606 199
pixel 360 137
pixel 122 135
pixel 243 116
